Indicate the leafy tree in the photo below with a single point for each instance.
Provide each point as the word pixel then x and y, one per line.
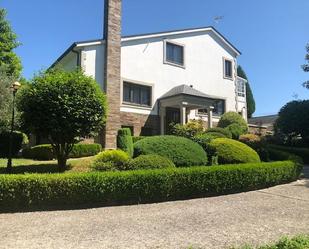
pixel 249 95
pixel 5 100
pixel 306 66
pixel 8 42
pixel 63 107
pixel 293 120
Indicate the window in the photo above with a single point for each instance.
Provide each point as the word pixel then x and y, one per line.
pixel 241 88
pixel 219 108
pixel 228 69
pixel 136 94
pixel 174 54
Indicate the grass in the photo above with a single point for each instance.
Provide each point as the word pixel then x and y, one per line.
pixel 22 166
pixel 298 242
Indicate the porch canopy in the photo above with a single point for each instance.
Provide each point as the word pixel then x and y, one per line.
pixel 185 98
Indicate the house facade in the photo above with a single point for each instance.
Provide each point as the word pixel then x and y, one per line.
pixel 166 77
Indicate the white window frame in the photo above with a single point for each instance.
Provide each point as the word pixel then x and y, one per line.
pixel 165 61
pixel 224 69
pixel 241 93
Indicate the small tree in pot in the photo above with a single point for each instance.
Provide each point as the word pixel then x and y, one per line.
pixel 62 106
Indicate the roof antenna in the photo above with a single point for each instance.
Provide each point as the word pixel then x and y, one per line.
pixel 218 19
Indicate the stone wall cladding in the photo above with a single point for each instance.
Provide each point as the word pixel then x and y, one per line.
pixel 112 78
pixel 138 121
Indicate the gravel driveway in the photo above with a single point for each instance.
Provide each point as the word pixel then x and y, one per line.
pixel 219 222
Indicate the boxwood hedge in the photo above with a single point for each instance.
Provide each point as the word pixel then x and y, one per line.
pixel 181 151
pixel 35 191
pixel 231 151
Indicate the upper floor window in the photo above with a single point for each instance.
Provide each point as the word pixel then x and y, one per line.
pixel 174 54
pixel 137 94
pixel 241 88
pixel 228 69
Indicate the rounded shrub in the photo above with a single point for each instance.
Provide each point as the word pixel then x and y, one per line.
pixel 42 152
pixel 226 133
pixel 204 141
pixel 85 150
pixel 125 141
pixel 110 160
pixel 135 139
pixel 235 130
pixel 230 151
pixel 256 143
pixel 229 118
pixel 150 162
pixel 181 151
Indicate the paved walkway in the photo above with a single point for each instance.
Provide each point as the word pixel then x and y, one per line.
pixel 219 222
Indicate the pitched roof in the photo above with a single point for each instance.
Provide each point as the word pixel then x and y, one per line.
pixel 187 90
pixel 265 120
pixel 147 35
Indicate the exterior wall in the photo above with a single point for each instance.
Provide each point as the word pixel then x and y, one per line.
pixel 69 62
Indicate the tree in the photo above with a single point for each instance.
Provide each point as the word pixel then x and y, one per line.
pixel 63 107
pixel 249 95
pixel 306 66
pixel 5 100
pixel 9 61
pixel 293 120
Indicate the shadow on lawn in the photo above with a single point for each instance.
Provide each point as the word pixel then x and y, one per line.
pixel 35 168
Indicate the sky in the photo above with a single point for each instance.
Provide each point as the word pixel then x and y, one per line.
pixel 271 34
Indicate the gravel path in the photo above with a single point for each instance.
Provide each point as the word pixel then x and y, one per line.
pixel 219 222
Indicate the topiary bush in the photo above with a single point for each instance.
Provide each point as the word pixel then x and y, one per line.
pixel 18 140
pixel 150 162
pixel 226 133
pixel 189 130
pixel 301 152
pixel 45 152
pixel 57 191
pixel 110 160
pixel 125 141
pixel 229 118
pixel 231 151
pixel 279 155
pixel 256 143
pixel 135 139
pixel 235 130
pixel 182 151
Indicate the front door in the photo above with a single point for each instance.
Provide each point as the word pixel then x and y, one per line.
pixel 172 117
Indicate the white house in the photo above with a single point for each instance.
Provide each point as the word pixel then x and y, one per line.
pixel 166 77
pixel 177 74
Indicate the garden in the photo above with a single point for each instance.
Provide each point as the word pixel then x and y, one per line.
pixel 66 107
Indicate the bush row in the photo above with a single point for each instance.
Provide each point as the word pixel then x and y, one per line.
pixel 60 190
pixel 301 152
pixel 45 151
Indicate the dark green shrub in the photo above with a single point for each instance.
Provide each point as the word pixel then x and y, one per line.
pixel 301 152
pixel 182 151
pixel 42 152
pixel 235 130
pixel 45 151
pixel 280 155
pixel 135 139
pixel 231 151
pixel 229 118
pixel 125 141
pixel 110 160
pixel 216 134
pixel 204 141
pixel 85 150
pixel 226 133
pixel 18 140
pixel 150 162
pixel 256 143
pixel 37 191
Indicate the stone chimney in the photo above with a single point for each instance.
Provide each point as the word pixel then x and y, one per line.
pixel 112 73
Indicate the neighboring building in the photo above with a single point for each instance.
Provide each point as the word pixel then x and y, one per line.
pixel 262 124
pixel 166 77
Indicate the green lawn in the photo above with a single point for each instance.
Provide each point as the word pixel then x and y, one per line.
pixel 21 166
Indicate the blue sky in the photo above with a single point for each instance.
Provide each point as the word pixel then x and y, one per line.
pixel 271 34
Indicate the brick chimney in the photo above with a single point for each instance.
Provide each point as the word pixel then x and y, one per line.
pixel 112 73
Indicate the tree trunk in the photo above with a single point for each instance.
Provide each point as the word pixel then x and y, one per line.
pixel 62 162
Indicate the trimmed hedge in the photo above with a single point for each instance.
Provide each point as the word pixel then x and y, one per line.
pixel 18 140
pixel 231 151
pixel 135 139
pixel 44 152
pixel 181 151
pixel 125 141
pixel 301 152
pixel 279 155
pixel 130 187
pixel 150 162
pixel 217 130
pixel 110 160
